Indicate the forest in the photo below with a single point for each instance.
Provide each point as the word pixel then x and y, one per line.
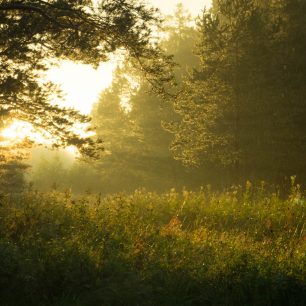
pixel 185 185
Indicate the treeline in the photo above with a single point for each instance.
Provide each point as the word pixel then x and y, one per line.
pixel 237 112
pixel 245 106
pixel 128 117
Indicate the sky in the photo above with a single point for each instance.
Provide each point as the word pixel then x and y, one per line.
pixel 82 84
pixel 168 6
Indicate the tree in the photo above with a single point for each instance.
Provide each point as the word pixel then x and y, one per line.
pixel 181 40
pixel 136 143
pixel 33 32
pixel 209 104
pixel 12 167
pixel 48 170
pixel 120 167
pixel 244 109
pixel 12 176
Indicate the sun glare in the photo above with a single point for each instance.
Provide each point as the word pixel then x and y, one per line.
pixel 15 131
pixel 19 131
pixel 81 84
pixel 194 6
pixel 73 151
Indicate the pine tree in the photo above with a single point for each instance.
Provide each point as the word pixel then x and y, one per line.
pixel 138 143
pixel 245 107
pixel 119 168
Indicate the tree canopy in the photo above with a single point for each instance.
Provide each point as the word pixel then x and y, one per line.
pixel 244 108
pixel 33 33
pixel 128 117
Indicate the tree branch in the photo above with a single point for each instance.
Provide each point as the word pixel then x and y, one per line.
pixel 27 7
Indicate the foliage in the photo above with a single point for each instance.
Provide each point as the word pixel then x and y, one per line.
pixel 49 172
pixel 244 108
pixel 12 166
pixel 128 116
pixel 245 246
pixel 34 33
pixel 12 176
pixel 122 139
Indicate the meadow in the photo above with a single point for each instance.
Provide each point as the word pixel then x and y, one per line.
pixel 242 246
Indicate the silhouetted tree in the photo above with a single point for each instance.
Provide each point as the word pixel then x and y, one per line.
pixel 32 33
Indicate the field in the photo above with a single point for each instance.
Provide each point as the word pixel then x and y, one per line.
pixel 244 246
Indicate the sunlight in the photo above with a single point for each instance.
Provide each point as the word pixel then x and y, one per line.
pixel 83 130
pixel 19 131
pixel 72 150
pixel 15 131
pixel 81 84
pixel 194 6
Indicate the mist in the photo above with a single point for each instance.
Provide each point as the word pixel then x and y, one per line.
pixel 183 183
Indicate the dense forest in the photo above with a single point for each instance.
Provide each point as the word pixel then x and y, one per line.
pixel 237 111
pixel 186 181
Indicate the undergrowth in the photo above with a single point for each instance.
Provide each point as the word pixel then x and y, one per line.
pixel 245 246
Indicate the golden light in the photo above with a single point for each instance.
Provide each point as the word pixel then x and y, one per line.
pixel 16 131
pixel 81 84
pixel 19 131
pixel 168 7
pixel 73 151
pixel 81 129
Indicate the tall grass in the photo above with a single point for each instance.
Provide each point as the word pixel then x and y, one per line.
pixel 245 246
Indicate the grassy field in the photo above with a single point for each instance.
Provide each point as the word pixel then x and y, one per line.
pixel 245 246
